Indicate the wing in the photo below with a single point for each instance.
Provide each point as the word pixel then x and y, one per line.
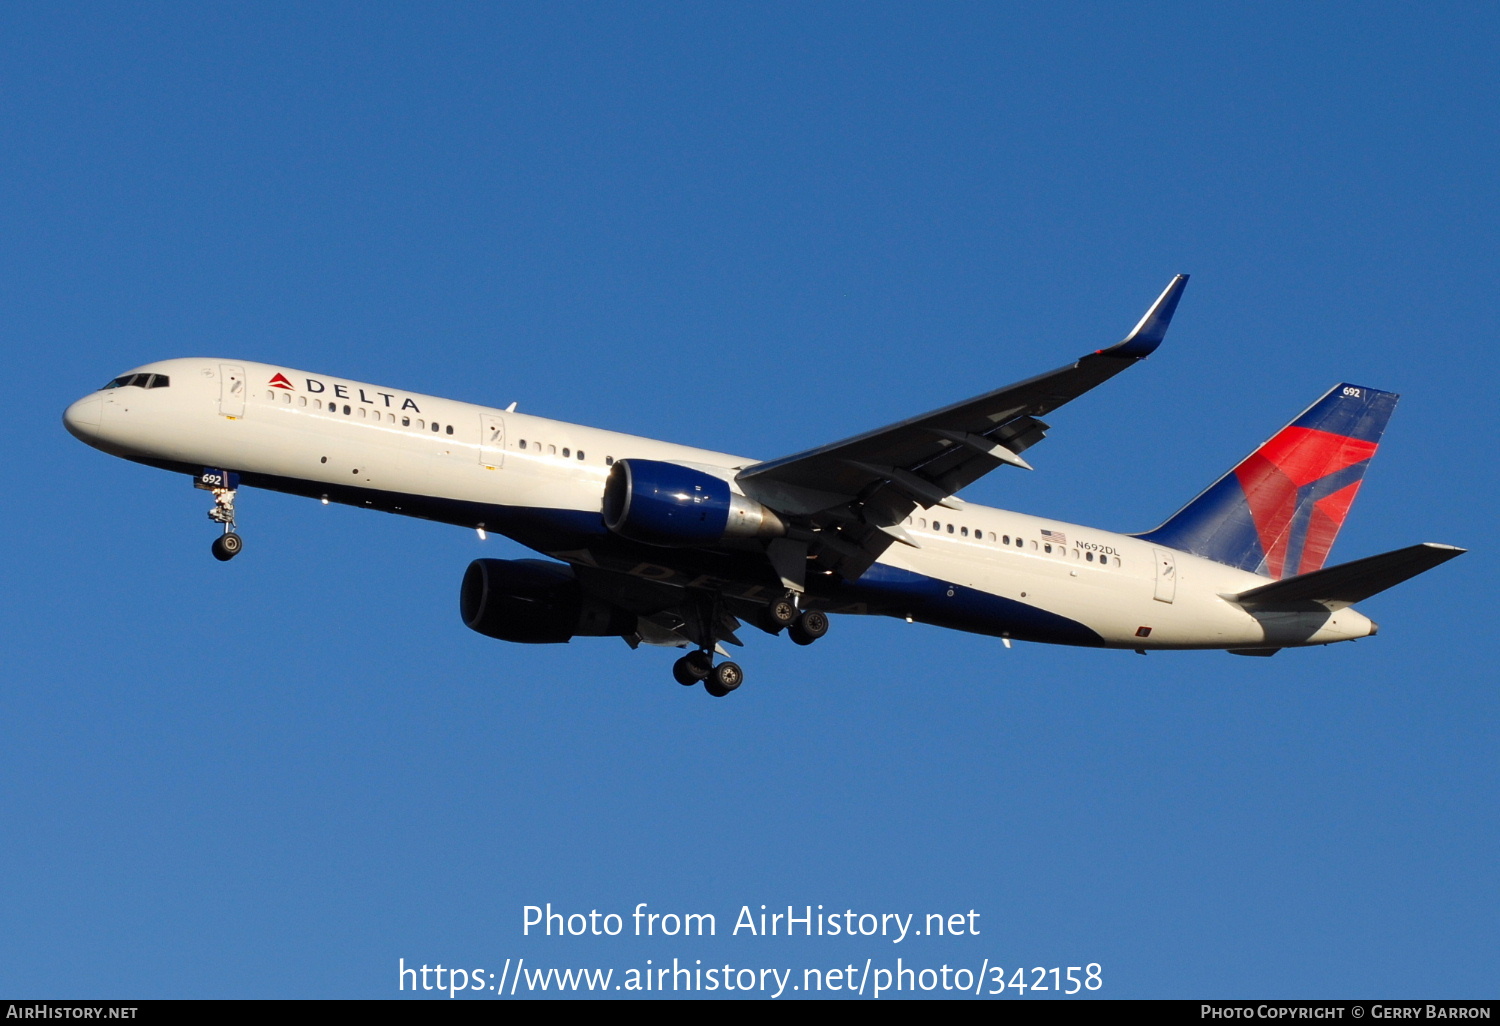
pixel 852 495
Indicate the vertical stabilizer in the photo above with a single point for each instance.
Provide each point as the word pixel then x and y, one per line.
pixel 1278 512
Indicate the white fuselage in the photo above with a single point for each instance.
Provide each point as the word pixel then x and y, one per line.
pixel 542 481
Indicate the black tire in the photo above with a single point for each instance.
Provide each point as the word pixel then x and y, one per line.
pixel 683 673
pixel 700 662
pixel 725 678
pixel 777 615
pixel 227 546
pixel 809 627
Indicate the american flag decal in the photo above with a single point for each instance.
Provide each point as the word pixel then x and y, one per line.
pixel 1055 536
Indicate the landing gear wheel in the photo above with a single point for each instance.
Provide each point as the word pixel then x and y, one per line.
pixel 684 673
pixel 692 668
pixel 809 627
pixel 724 679
pixel 778 614
pixel 227 546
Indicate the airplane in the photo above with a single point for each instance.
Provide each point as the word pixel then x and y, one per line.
pixel 669 545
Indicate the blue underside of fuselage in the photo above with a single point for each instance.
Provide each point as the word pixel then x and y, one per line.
pixel 882 590
pixel 896 592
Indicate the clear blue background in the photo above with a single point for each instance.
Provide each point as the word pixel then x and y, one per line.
pixel 755 228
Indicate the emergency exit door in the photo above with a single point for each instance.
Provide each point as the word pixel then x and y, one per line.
pixel 492 440
pixel 231 390
pixel 1166 575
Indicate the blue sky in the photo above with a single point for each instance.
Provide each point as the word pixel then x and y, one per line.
pixel 755 228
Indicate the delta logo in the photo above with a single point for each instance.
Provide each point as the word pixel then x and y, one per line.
pixel 340 391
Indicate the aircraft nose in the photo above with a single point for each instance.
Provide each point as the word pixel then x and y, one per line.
pixel 82 418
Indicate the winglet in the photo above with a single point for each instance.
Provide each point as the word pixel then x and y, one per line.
pixel 1147 335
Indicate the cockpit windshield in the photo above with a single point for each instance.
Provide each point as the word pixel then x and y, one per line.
pixel 140 381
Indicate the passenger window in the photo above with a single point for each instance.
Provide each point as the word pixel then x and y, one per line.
pixel 1020 544
pixel 346 409
pixel 361 413
pixel 450 429
pixel 1047 547
pixel 964 531
pixel 950 528
pixel 1090 557
pixel 609 461
pixel 551 450
pixel 421 423
pixel 523 443
pixel 271 395
pixel 1033 546
pixel 406 422
pixel 302 400
pixel 435 427
pixel 580 454
pixel 567 452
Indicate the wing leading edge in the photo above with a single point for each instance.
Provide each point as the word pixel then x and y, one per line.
pixel 855 492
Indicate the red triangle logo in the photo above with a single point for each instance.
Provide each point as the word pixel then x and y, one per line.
pixel 280 381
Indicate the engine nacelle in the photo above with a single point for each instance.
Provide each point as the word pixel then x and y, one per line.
pixel 535 602
pixel 672 505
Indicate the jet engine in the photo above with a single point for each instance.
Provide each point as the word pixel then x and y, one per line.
pixel 669 504
pixel 536 602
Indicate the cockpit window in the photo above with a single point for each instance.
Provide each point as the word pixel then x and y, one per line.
pixel 140 381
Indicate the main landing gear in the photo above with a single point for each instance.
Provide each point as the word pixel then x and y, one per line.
pixel 808 627
pixel 699 666
pixel 222 484
pixel 803 626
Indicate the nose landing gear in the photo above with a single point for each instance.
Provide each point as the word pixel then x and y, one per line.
pixel 222 484
pixel 227 546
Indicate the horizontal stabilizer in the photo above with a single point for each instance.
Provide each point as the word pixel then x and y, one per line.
pixel 1348 583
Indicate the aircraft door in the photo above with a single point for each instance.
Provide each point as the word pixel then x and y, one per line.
pixel 1166 575
pixel 491 440
pixel 232 390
